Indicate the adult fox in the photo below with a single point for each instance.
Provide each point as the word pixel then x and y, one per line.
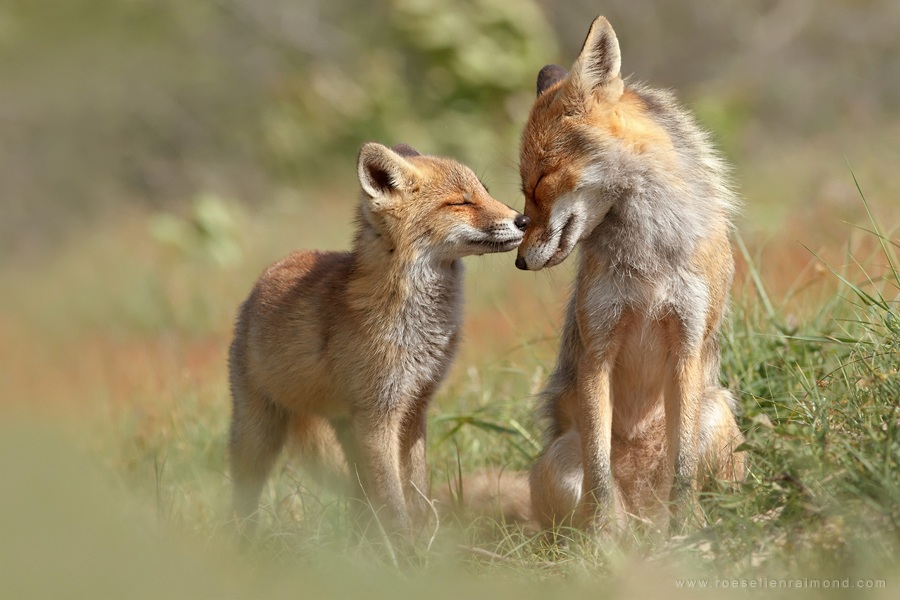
pixel 345 350
pixel 635 409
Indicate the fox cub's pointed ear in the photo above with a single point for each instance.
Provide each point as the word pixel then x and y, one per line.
pixel 382 171
pixel 549 76
pixel 405 150
pixel 598 65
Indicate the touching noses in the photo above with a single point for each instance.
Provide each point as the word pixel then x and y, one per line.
pixel 521 221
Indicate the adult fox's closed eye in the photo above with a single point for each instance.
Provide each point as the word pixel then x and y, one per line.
pixel 345 350
pixel 634 407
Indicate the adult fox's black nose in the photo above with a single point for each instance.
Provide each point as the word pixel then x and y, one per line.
pixel 521 221
pixel 520 262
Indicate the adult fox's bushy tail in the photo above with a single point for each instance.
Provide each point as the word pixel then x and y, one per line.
pixel 497 493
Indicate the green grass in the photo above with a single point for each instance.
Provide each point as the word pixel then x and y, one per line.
pixel 132 499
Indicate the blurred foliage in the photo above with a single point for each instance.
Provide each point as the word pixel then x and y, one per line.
pixel 112 103
pixel 209 234
pixel 109 105
pixel 455 77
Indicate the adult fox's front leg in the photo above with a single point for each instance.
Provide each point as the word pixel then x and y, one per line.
pixel 595 432
pixel 684 393
pixel 594 423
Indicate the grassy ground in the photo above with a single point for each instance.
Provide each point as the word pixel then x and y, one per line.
pixel 115 410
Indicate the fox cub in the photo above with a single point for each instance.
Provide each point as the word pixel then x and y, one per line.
pixel 352 346
pixel 635 409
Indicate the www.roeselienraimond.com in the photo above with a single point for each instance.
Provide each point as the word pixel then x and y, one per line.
pixel 769 583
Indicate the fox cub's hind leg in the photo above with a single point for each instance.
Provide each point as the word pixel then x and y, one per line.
pixel 258 429
pixel 315 439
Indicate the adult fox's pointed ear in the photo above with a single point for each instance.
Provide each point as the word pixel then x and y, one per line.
pixel 597 68
pixel 549 76
pixel 384 172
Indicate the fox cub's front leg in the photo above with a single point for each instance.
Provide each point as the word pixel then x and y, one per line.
pixel 377 433
pixel 412 462
pixel 389 449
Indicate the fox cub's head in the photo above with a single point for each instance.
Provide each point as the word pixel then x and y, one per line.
pixel 434 206
pixel 585 137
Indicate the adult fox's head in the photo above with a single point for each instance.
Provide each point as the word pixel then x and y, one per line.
pixel 431 205
pixel 586 138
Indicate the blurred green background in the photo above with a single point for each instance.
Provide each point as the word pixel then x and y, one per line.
pixel 111 105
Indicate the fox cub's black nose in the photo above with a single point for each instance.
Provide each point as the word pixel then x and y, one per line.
pixel 521 221
pixel 520 262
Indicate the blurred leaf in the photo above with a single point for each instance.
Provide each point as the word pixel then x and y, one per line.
pixel 211 233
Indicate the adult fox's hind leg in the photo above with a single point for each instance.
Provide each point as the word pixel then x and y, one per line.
pixel 719 437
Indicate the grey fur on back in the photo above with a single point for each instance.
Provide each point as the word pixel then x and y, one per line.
pixel 656 221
